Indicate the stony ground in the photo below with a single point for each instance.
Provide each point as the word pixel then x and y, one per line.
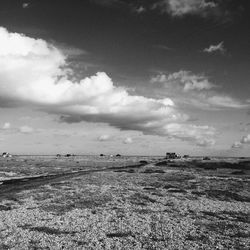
pixel 104 203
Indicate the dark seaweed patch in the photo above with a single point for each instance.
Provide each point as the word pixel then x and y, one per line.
pixel 119 234
pixel 48 230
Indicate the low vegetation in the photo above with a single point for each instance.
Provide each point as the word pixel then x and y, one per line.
pixel 125 203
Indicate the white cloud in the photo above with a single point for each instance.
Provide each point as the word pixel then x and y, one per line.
pixel 104 138
pixel 179 8
pixel 195 90
pixel 205 142
pixel 225 101
pixel 35 73
pixel 26 129
pixel 140 9
pixel 25 5
pixel 6 125
pixel 191 81
pixel 128 140
pixel 191 132
pixel 245 139
pixel 237 144
pixel 216 48
pixel 185 79
pixel 160 78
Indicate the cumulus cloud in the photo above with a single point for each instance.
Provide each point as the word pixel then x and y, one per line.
pixel 190 81
pixel 25 5
pixel 6 125
pixel 26 129
pixel 179 8
pixel 237 144
pixel 205 142
pixel 190 132
pixel 34 73
pixel 219 48
pixel 198 90
pixel 140 9
pixel 225 101
pixel 128 140
pixel 104 138
pixel 245 139
pixel 184 79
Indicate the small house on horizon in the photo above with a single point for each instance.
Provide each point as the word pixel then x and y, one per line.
pixel 6 155
pixel 172 155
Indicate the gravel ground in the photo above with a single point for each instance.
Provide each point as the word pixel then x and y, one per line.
pixel 126 207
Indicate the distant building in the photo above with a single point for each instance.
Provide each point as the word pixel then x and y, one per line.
pixel 206 158
pixel 69 155
pixel 186 156
pixel 172 156
pixel 6 154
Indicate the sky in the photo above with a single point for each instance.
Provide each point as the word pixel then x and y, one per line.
pixel 135 77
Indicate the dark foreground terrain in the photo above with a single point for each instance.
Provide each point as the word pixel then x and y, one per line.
pixel 124 203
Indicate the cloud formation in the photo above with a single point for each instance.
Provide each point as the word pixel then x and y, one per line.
pixel 186 79
pixel 139 9
pixel 34 73
pixel 8 129
pixel 206 142
pixel 219 48
pixel 25 5
pixel 237 144
pixel 26 129
pixel 180 8
pixel 104 138
pixel 128 140
pixel 195 90
pixel 224 101
pixel 6 125
pixel 244 140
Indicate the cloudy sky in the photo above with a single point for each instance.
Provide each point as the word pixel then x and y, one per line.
pixel 131 77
